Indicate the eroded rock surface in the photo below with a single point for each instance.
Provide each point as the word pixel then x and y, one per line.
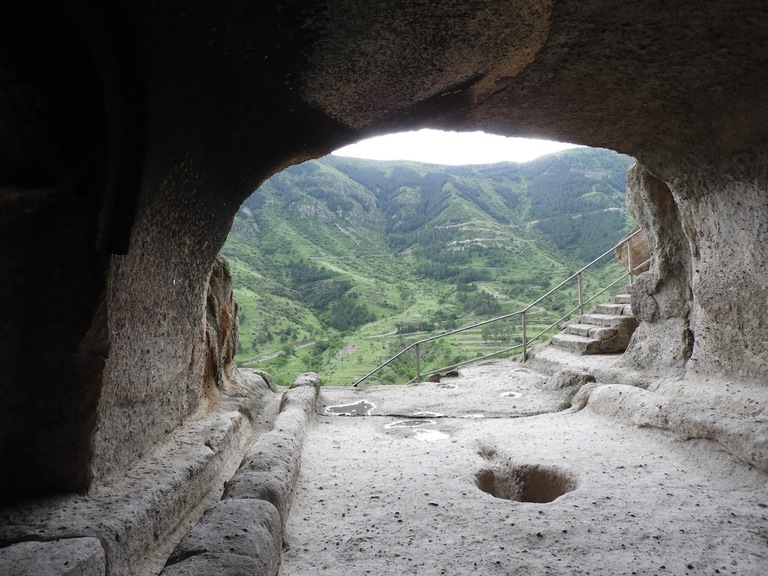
pixel 661 297
pixel 222 328
pixel 67 557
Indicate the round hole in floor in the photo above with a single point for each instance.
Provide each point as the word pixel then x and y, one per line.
pixel 526 482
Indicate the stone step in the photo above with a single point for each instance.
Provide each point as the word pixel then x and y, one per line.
pixel 622 299
pixel 606 329
pixel 613 309
pixel 578 344
pixel 578 329
pixel 591 331
pixel 610 320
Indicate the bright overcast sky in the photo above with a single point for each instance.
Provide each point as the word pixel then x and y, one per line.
pixel 455 148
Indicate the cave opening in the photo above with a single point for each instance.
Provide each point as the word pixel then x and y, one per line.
pixel 340 262
pixel 134 130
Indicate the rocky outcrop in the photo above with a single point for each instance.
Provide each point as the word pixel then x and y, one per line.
pixel 724 215
pixel 742 436
pixel 221 329
pixel 661 297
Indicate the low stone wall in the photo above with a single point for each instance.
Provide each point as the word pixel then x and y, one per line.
pixel 243 533
pixel 71 556
pixel 743 436
pixel 119 529
pixel 131 518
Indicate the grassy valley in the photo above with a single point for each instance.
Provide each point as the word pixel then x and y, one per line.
pixel 338 263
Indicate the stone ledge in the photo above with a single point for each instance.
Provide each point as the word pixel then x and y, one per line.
pixel 66 557
pixel 246 528
pixel 271 466
pixel 214 564
pixel 264 484
pixel 606 368
pixel 133 517
pixel 744 437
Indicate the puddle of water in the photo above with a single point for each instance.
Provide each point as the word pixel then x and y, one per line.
pixel 425 435
pixel 510 394
pixel 408 423
pixel 362 408
pixel 477 415
pixel 427 415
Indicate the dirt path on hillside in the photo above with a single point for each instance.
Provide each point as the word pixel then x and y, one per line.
pixel 378 497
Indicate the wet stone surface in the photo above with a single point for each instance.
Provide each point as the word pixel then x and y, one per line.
pixel 361 408
pixel 428 415
pixel 475 391
pixel 425 435
pixel 409 423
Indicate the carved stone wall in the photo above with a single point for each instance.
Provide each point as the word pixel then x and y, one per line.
pixel 724 212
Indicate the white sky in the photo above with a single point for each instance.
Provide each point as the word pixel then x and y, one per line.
pixel 437 147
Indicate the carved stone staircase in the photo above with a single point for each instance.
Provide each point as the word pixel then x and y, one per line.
pixel 605 330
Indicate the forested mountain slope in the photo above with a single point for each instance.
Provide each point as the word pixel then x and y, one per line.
pixel 345 256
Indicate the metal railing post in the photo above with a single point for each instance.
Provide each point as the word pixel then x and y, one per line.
pixel 629 262
pixel 418 365
pixel 581 294
pixel 525 338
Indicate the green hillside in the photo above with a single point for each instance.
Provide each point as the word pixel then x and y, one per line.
pixel 338 263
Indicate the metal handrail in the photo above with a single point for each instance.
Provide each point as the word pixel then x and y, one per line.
pixel 523 312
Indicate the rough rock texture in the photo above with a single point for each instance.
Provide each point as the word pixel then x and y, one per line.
pixel 68 557
pixel 725 216
pixel 661 297
pixel 244 531
pixel 606 329
pixel 567 377
pixel 150 504
pixel 271 466
pixel 222 329
pixel 244 528
pixel 375 497
pixel 128 149
pixel 742 436
pixel 218 564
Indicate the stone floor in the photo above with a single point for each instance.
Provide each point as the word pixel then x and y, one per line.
pixel 409 489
